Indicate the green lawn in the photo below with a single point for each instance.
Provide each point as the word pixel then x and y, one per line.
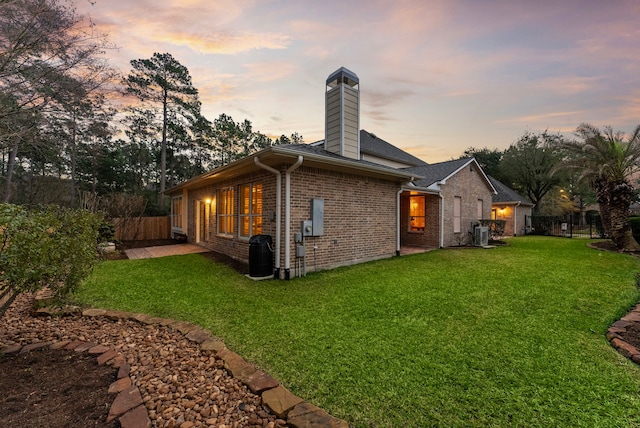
pixel 512 336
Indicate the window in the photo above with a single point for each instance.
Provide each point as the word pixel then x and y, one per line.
pixel 457 208
pixel 226 211
pixel 417 212
pixel 250 210
pixel 176 213
pixel 480 209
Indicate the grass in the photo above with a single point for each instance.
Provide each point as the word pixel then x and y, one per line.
pixel 512 336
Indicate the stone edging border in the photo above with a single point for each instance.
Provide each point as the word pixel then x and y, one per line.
pixel 618 342
pixel 276 397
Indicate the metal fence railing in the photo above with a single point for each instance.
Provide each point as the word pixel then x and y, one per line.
pixel 569 226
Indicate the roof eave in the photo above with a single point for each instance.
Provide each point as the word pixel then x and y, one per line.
pixel 283 153
pixel 347 163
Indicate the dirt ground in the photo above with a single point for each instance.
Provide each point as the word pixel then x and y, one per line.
pixel 55 389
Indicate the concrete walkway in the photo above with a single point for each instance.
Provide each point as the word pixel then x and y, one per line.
pixel 163 251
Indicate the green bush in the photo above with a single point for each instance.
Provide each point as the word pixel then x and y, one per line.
pixel 52 247
pixel 635 227
pixel 496 228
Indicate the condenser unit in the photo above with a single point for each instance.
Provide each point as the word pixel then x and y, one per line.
pixel 482 236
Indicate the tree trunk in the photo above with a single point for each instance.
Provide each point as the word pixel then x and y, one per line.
pixel 620 196
pixel 72 199
pixel 10 165
pixel 163 152
pixel 602 197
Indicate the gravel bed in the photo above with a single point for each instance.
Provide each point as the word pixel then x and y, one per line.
pixel 181 385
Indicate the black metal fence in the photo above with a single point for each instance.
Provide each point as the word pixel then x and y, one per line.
pixel 588 225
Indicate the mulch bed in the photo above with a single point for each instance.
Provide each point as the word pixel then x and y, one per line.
pixel 54 389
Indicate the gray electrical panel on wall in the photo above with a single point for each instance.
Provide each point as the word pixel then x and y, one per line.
pixel 317 216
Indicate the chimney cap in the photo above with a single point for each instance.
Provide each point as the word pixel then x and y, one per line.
pixel 342 75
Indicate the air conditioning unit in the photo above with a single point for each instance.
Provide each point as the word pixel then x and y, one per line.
pixel 481 236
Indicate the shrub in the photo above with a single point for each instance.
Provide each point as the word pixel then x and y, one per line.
pixel 635 227
pixel 54 247
pixel 496 228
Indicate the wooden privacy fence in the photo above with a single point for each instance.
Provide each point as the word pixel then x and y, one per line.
pixel 142 228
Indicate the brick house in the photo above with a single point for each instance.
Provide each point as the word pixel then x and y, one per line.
pixel 514 209
pixel 350 198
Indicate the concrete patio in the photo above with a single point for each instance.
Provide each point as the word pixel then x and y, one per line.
pixel 164 251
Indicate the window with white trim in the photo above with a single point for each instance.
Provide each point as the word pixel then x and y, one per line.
pixel 176 213
pixel 226 211
pixel 250 210
pixel 457 210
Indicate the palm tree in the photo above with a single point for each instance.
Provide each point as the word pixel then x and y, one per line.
pixel 606 161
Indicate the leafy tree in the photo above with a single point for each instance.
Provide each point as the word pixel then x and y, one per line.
pixel 294 138
pixel 489 160
pixel 162 80
pixel 527 165
pixel 606 160
pixel 138 152
pixel 42 44
pixel 236 140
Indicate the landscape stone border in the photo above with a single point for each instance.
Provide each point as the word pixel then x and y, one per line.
pixel 620 326
pixel 128 406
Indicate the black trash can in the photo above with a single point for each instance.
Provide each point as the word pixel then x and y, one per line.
pixel 260 256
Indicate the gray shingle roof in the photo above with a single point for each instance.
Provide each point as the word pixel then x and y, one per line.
pixel 506 194
pixel 372 145
pixel 436 172
pixel 320 151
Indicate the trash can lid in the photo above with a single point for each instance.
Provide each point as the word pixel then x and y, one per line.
pixel 260 239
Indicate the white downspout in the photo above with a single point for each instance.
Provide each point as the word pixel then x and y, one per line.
pixel 515 219
pixel 287 217
pixel 276 272
pixel 441 219
pixel 398 214
pixel 399 224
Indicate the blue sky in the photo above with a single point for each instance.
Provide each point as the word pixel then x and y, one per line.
pixel 435 76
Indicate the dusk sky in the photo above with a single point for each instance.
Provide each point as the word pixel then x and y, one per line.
pixel 435 76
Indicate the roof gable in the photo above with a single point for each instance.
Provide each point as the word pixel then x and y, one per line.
pixel 436 174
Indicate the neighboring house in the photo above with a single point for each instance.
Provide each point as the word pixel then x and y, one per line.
pixel 348 199
pixel 511 207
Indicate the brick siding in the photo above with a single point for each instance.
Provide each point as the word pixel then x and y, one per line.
pixel 359 217
pixel 469 185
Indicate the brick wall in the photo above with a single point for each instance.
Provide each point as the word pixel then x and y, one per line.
pixel 234 246
pixel 431 236
pixel 359 217
pixel 469 185
pixel 514 216
pixel 506 213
